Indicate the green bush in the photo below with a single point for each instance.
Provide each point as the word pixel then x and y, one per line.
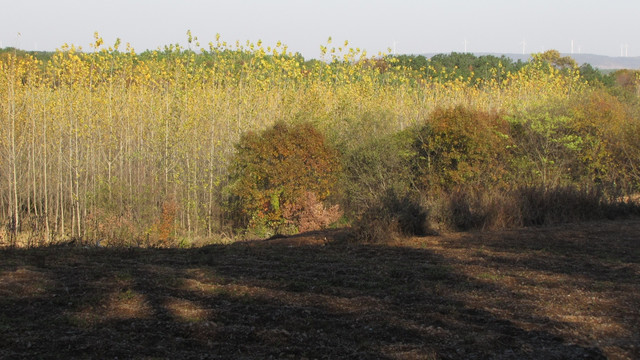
pixel 582 142
pixel 373 169
pixel 609 155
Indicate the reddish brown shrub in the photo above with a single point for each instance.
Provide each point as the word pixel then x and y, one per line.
pixel 276 169
pixel 166 227
pixel 310 214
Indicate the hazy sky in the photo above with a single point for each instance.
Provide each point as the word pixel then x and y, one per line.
pixel 597 27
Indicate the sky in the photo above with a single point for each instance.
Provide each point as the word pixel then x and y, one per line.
pixel 610 27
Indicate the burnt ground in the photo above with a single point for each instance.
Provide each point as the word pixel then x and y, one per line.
pixel 568 292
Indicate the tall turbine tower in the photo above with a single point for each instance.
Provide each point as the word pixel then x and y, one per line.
pixel 571 47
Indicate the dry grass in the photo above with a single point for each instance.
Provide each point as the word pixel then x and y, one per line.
pixel 571 291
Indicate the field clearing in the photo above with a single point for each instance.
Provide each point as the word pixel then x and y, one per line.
pixel 570 291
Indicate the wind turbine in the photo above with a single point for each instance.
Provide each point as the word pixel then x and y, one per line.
pixel 524 44
pixel 571 47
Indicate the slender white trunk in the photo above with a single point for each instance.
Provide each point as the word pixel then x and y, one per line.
pixel 12 112
pixel 47 235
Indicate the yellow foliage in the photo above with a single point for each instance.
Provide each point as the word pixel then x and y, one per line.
pixel 165 122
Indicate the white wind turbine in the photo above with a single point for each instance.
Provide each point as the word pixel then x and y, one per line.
pixel 571 47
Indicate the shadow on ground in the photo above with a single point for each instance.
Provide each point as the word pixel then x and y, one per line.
pixel 441 297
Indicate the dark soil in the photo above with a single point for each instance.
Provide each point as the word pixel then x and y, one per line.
pixel 569 292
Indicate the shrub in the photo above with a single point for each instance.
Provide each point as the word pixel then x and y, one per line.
pixel 275 170
pixel 562 204
pixel 545 150
pixel 310 214
pixel 166 226
pixel 393 216
pixel 610 141
pixel 578 142
pixel 460 145
pixel 373 169
pixel 468 207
